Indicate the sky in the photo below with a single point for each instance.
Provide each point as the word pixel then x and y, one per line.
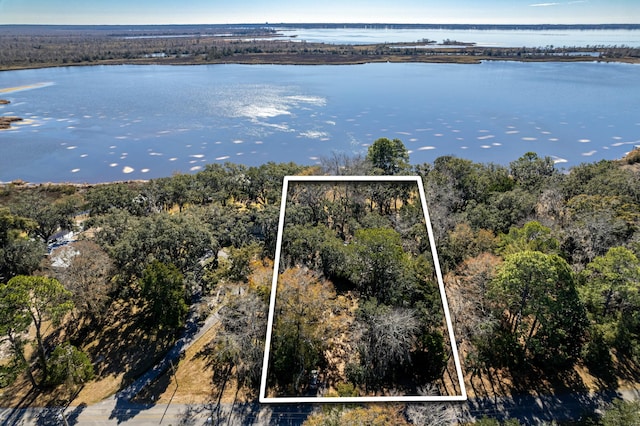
pixel 309 11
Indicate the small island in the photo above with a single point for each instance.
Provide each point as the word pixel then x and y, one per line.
pixel 5 122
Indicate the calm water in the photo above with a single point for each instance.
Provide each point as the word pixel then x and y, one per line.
pixel 494 38
pixel 90 124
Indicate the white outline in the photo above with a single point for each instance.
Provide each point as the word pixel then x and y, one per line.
pixel 272 302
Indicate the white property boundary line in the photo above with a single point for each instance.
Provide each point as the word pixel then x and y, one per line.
pixel 445 305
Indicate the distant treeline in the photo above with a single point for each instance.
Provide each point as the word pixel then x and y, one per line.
pixel 38 46
pixel 534 27
pixel 204 28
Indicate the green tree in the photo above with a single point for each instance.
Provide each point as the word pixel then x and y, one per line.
pixel 264 183
pixel 611 282
pixel 49 216
pixel 162 287
pixel 377 264
pixel 14 323
pixel 603 178
pixel 540 305
pixel 622 413
pixel 610 291
pixel 179 189
pixel 532 236
pixel 531 172
pixel 102 199
pixel 389 156
pixel 42 299
pixel 181 239
pixel 459 172
pixel 69 365
pixel 19 255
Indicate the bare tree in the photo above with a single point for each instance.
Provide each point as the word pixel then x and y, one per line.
pixel 238 346
pixel 388 335
pixel 431 414
pixel 86 271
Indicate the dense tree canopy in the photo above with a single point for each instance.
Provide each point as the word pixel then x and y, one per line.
pixel 541 270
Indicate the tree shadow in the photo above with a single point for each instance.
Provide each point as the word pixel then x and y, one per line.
pixel 57 416
pixel 290 414
pixel 17 414
pixel 50 417
pixel 127 346
pixel 72 416
pixel 188 416
pixel 125 410
pixel 140 396
pixel 627 369
pixel 536 396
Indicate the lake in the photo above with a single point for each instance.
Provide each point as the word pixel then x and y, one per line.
pixel 482 37
pixel 105 123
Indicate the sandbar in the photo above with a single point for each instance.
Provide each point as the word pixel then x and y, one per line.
pixel 5 122
pixel 24 87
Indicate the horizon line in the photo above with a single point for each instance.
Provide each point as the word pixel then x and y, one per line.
pixel 331 23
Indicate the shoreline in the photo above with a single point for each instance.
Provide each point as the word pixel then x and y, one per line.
pixel 22 184
pixel 292 59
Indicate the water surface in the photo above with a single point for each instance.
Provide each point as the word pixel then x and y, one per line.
pixel 103 123
pixel 484 37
